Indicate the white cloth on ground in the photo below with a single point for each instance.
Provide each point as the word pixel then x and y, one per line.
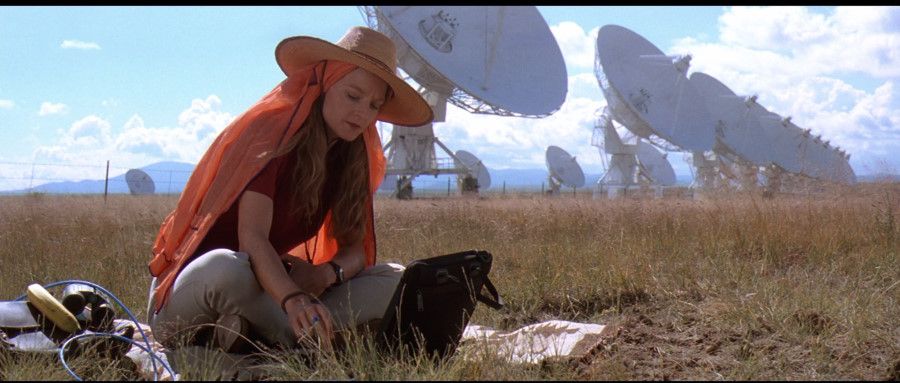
pixel 554 339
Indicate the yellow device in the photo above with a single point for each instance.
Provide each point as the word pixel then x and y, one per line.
pixel 52 308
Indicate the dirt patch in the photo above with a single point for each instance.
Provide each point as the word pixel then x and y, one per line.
pixel 679 340
pixel 647 344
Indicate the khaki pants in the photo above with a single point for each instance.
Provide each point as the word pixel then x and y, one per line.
pixel 221 282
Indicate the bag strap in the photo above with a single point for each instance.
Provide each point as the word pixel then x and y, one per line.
pixel 494 301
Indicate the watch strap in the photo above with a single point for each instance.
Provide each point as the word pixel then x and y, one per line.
pixel 338 272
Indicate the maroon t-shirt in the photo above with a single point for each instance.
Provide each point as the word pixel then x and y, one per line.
pixel 276 181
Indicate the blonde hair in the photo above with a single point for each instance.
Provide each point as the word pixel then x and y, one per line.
pixel 310 146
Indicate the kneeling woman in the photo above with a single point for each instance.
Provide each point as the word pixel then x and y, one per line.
pixel 275 226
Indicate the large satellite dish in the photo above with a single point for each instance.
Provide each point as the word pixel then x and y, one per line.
pixel 738 130
pixel 139 182
pixel 773 130
pixel 477 170
pixel 814 157
pixel 844 172
pixel 655 164
pixel 491 59
pixel 483 59
pixel 650 94
pixel 563 169
pixel 821 161
pixel 788 145
pixel 742 143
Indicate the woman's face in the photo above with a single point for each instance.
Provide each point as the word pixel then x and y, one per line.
pixel 353 102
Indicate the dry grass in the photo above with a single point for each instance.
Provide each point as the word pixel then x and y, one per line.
pixel 733 287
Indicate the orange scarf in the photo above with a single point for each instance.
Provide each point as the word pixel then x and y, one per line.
pixel 237 155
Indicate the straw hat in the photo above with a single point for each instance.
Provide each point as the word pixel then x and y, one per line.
pixel 369 50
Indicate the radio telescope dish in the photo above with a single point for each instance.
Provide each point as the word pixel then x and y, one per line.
pixel 824 162
pixel 139 182
pixel 819 160
pixel 476 168
pixel 739 132
pixel 815 159
pixel 655 164
pixel 843 172
pixel 483 59
pixel 650 94
pixel 564 169
pixel 489 59
pixel 788 146
pixel 786 142
pixel 770 124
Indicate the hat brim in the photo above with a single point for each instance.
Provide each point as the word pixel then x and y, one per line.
pixel 406 107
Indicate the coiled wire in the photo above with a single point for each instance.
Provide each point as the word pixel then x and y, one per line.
pixel 148 349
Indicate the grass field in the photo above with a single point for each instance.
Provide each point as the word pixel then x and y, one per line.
pixel 727 287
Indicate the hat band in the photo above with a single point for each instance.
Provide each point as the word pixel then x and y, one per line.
pixel 375 61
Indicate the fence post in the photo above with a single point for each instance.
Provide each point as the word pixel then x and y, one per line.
pixel 106 182
pixel 448 186
pixel 504 188
pixel 542 188
pixel 31 182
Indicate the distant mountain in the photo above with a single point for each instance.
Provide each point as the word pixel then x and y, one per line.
pixel 168 177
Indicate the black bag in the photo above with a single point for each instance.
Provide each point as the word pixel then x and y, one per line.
pixel 434 300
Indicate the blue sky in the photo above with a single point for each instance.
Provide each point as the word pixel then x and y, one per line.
pixel 137 85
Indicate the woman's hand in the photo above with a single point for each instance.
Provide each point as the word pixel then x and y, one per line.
pixel 308 318
pixel 312 279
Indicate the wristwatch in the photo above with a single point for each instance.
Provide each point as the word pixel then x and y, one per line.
pixel 338 272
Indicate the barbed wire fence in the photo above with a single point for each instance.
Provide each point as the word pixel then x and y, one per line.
pixel 82 178
pixel 105 176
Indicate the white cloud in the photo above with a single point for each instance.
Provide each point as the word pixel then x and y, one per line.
pixel 76 44
pixel 91 132
pixel 48 108
pixel 135 144
pixel 7 104
pixel 578 48
pixel 773 28
pixel 203 120
pixel 851 39
pixel 109 103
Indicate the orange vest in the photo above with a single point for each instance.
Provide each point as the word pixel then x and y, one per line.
pixel 240 152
